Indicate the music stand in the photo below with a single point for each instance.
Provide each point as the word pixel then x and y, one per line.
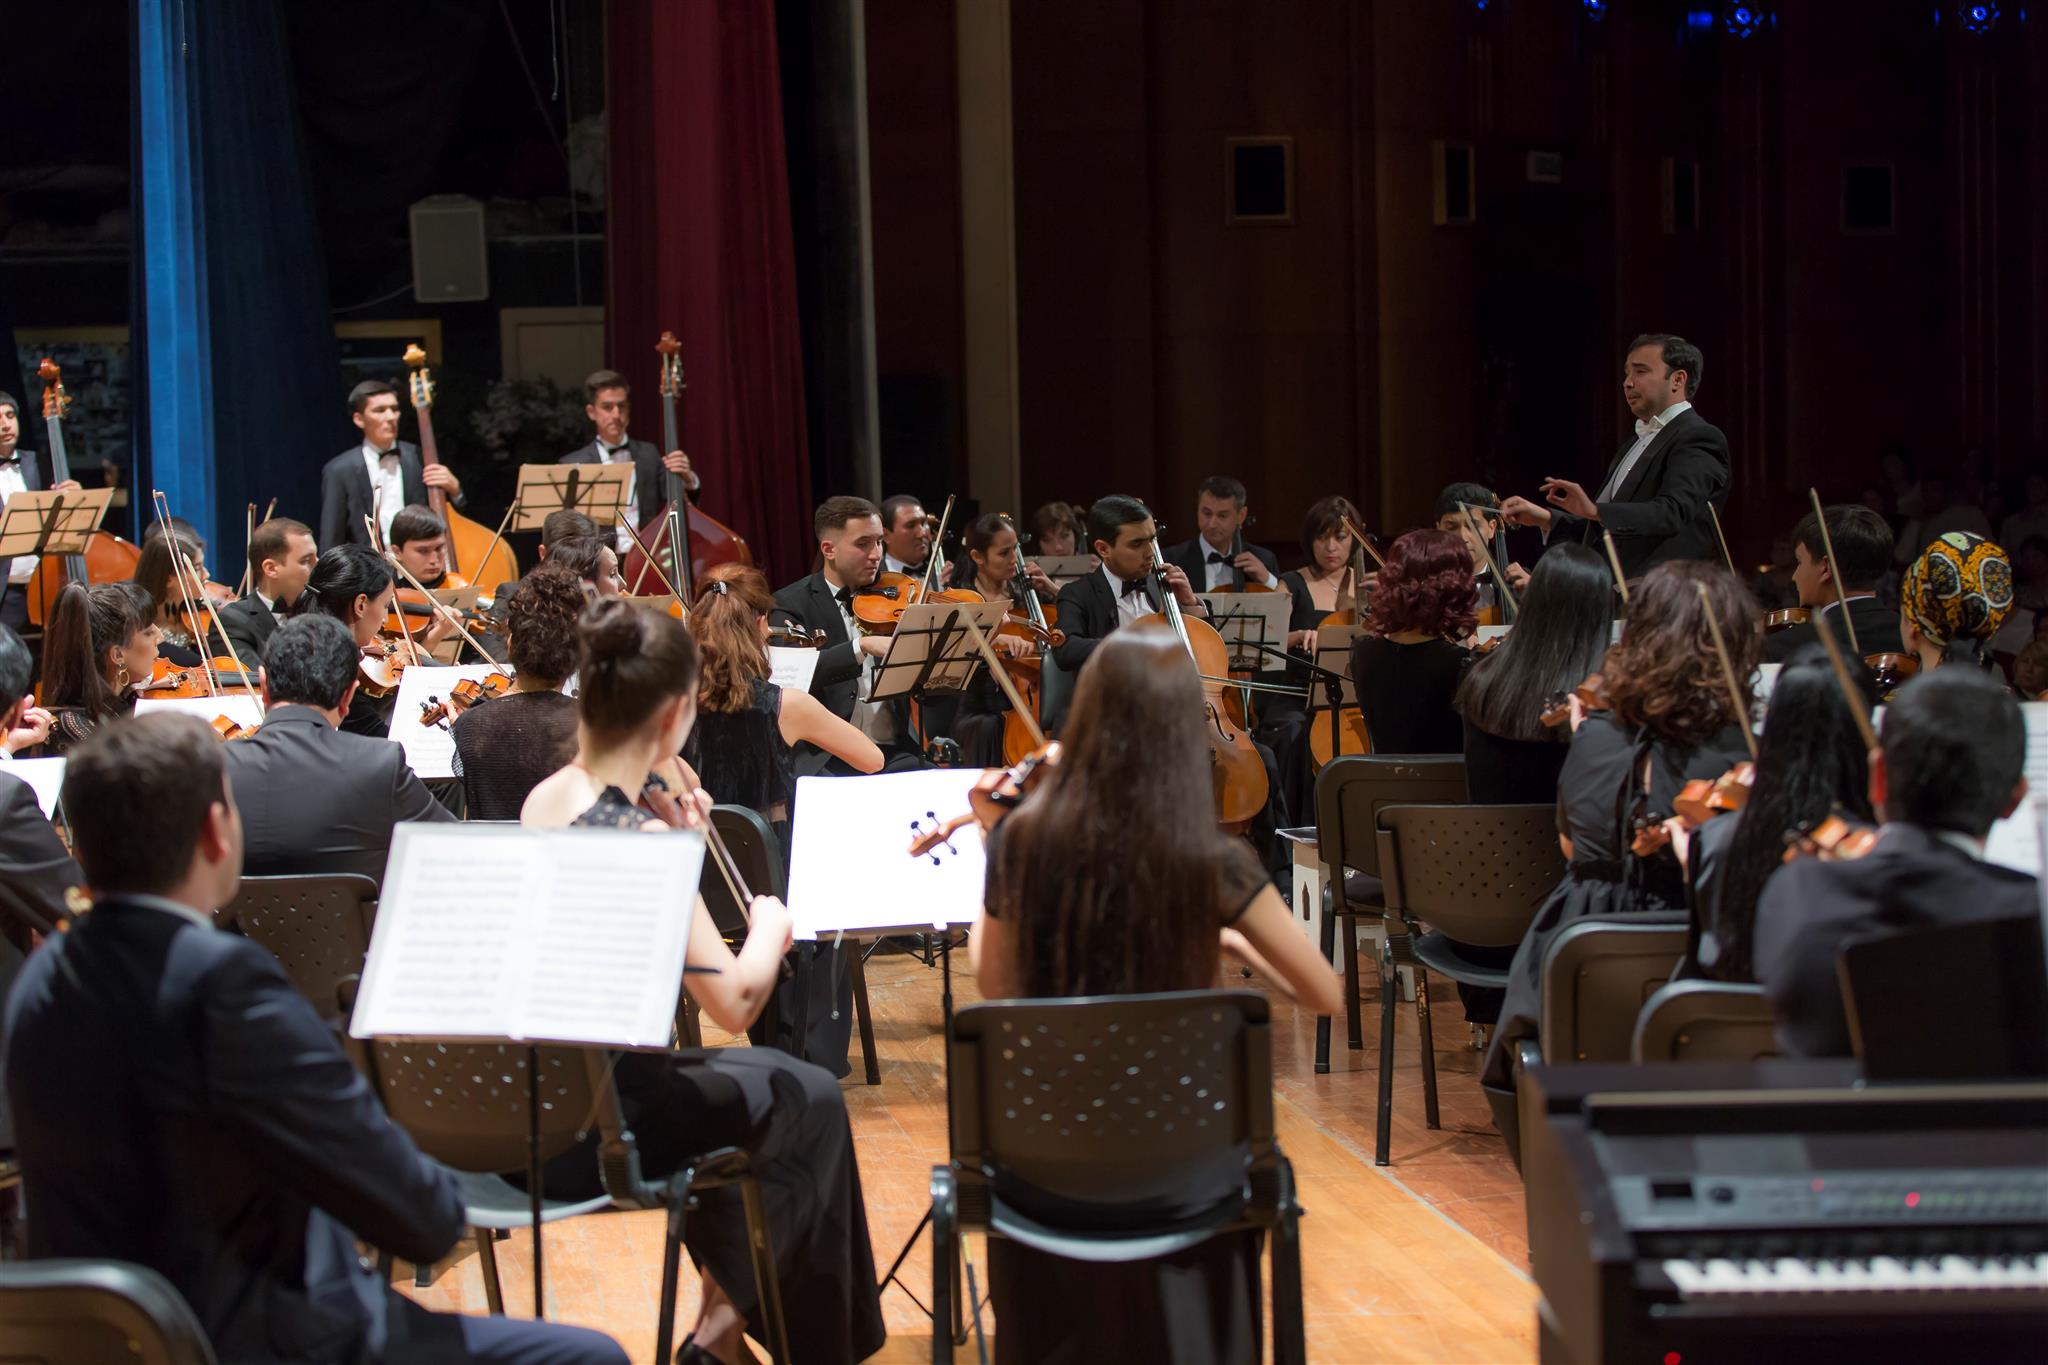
pixel 1333 659
pixel 1064 569
pixel 50 522
pixel 930 651
pixel 598 491
pixel 1250 623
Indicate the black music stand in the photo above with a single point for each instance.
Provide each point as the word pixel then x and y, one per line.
pixel 931 652
pixel 1251 623
pixel 598 491
pixel 1333 661
pixel 50 522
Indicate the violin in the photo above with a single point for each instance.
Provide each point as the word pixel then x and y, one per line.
pixel 996 793
pixel 1785 618
pixel 1831 839
pixel 1697 802
pixel 225 729
pixel 1591 695
pixel 384 663
pixel 878 607
pixel 792 636
pixel 419 609
pixel 1891 670
pixel 469 692
pixel 215 676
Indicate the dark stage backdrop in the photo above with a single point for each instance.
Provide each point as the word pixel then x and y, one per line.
pixel 698 243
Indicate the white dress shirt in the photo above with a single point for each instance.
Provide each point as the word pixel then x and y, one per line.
pixel 622 453
pixel 387 485
pixel 22 567
pixel 1646 432
pixel 1129 606
pixel 871 718
pixel 891 564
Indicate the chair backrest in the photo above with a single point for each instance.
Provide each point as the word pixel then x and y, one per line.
pixel 1055 693
pixel 1955 1002
pixel 464 1104
pixel 319 927
pixel 1597 974
pixel 59 1312
pixel 1705 1021
pixel 1114 1101
pixel 1351 791
pixel 758 855
pixel 1477 873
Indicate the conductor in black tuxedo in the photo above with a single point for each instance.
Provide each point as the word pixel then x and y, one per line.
pixel 238 1154
pixel 1863 549
pixel 1655 495
pixel 316 798
pixel 18 474
pixel 282 554
pixel 1218 560
pixel 608 403
pixel 379 476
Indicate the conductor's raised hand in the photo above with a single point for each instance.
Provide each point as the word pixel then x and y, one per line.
pixel 1519 511
pixel 1570 497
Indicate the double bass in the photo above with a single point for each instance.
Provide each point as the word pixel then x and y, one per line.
pixel 107 557
pixel 1239 773
pixel 678 525
pixel 475 555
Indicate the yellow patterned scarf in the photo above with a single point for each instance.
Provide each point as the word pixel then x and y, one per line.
pixel 1959 589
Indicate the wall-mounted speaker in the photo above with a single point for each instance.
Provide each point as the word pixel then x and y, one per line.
pixel 450 258
pixel 1258 181
pixel 1868 198
pixel 1456 185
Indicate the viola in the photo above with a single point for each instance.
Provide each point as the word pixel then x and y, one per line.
pixel 215 676
pixel 1891 670
pixel 1831 839
pixel 708 541
pixel 996 793
pixel 467 693
pixel 384 663
pixel 419 609
pixel 1239 774
pixel 107 557
pixel 470 543
pixel 225 729
pixel 791 636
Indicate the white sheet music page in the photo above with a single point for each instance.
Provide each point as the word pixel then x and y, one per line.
pixel 2015 841
pixel 792 667
pixel 234 703
pixel 429 749
pixel 569 936
pixel 850 867
pixel 45 777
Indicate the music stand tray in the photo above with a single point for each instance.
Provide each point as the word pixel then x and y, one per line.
pixel 599 491
pixel 50 522
pixel 931 650
pixel 1247 620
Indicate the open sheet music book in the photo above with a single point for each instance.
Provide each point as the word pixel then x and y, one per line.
pixel 560 936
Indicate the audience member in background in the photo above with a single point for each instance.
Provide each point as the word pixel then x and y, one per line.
pixel 504 748
pixel 636 700
pixel 595 562
pixel 353 584
pixel 2032 518
pixel 1407 666
pixel 1901 481
pixel 1511 757
pixel 163 557
pixel 281 559
pixel 238 1154
pixel 1954 598
pixel 1863 549
pixel 1942 514
pixel 1097 886
pixel 315 799
pixel 1669 720
pixel 99 645
pixel 1948 769
pixel 1811 763
pixel 1056 529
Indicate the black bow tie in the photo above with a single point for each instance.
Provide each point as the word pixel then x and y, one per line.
pixel 1216 557
pixel 616 450
pixel 14 460
pixel 844 597
pixel 1133 586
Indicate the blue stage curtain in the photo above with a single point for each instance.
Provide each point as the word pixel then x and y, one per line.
pixel 236 368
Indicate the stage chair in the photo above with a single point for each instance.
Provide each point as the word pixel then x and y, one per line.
pixel 1472 875
pixel 1597 976
pixel 59 1312
pixel 1704 1021
pixel 1952 1002
pixel 1105 1150
pixel 1349 795
pixel 318 927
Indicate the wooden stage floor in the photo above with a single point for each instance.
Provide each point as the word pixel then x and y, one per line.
pixel 1423 1260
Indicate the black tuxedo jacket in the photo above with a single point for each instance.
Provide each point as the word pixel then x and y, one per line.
pixel 1087 612
pixel 1660 513
pixel 31 469
pixel 1811 909
pixel 37 871
pixel 1193 558
pixel 345 496
pixel 1877 631
pixel 809 603
pixel 317 799
pixel 647 474
pixel 249 625
pixel 223 1139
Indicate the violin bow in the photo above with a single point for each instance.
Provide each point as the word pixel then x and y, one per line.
pixel 1473 522
pixel 248 534
pixel 1726 558
pixel 182 568
pixel 728 867
pixel 1614 560
pixel 931 565
pixel 1827 544
pixel 1367 545
pixel 1727 668
pixel 647 562
pixel 162 507
pixel 1002 676
pixel 440 609
pixel 1857 708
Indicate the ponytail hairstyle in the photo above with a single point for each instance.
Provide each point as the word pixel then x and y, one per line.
pixel 732 599
pixel 632 663
pixel 342 574
pixel 85 623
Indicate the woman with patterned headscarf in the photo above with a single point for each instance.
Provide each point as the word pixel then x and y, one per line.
pixel 1954 598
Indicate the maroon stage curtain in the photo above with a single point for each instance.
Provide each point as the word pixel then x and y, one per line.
pixel 697 241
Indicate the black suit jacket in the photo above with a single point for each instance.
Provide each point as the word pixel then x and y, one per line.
pixel 1877 631
pixel 647 474
pixel 345 496
pixel 1087 612
pixel 1810 910
pixel 1193 558
pixel 182 1107
pixel 1660 513
pixel 317 799
pixel 809 603
pixel 249 625
pixel 37 871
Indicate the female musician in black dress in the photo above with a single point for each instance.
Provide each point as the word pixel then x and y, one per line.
pixel 1331 580
pixel 353 584
pixel 1669 720
pixel 1407 667
pixel 990 560
pixel 504 749
pixel 1101 885
pixel 636 702
pixel 102 642
pixel 156 573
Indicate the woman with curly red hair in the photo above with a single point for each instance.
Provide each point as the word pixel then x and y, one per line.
pixel 1408 663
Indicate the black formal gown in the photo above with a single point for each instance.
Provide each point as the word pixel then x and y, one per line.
pixel 1512 772
pixel 509 746
pixel 1406 691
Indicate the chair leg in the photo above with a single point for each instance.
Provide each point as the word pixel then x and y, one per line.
pixel 767 1280
pixel 1389 995
pixel 1289 1338
pixel 423 1277
pixel 865 1019
pixel 1347 934
pixel 1428 1045
pixel 487 1262
pixel 671 1255
pixel 945 1233
pixel 1329 947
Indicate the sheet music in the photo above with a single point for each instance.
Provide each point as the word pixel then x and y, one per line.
pixel 571 936
pixel 45 777
pixel 236 704
pixel 2015 841
pixel 1485 633
pixel 1247 618
pixel 850 868
pixel 429 749
pixel 792 667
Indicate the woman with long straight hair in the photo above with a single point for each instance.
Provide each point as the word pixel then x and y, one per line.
pixel 101 644
pixel 156 573
pixel 354 585
pixel 1112 879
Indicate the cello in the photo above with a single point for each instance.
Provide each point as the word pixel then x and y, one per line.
pixel 678 525
pixel 107 557
pixel 484 554
pixel 1239 773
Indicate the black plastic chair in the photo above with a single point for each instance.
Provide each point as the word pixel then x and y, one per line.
pixel 318 927
pixel 1349 795
pixel 1113 1104
pixel 1704 1021
pixel 61 1312
pixel 1597 976
pixel 1475 875
pixel 1950 1002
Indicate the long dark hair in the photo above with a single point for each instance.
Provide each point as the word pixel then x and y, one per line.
pixel 981 533
pixel 1112 886
pixel 1567 616
pixel 1664 675
pixel 341 575
pixel 85 623
pixel 157 567
pixel 1810 762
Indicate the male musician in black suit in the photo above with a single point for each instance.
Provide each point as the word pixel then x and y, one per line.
pixel 378 477
pixel 608 403
pixel 18 474
pixel 1656 493
pixel 906 535
pixel 1121 532
pixel 281 558
pixel 1208 559
pixel 1863 549
pixel 179 1106
pixel 315 798
pixel 1949 768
